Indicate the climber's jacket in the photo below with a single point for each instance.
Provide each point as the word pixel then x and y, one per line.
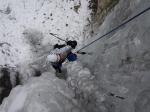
pixel 59 55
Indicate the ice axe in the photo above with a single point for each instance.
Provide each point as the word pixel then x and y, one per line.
pixel 57 37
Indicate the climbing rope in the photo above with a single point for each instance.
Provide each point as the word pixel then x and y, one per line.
pixel 116 28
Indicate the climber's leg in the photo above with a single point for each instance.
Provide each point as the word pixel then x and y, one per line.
pixel 57 67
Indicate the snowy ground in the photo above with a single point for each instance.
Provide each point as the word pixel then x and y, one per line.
pixel 43 94
pixel 25 26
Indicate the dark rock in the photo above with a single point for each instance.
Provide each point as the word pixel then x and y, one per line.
pixel 38 73
pixel 5 83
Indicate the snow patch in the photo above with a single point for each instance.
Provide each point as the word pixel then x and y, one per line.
pixel 45 16
pixel 18 102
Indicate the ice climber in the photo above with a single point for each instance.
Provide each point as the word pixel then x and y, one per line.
pixel 61 53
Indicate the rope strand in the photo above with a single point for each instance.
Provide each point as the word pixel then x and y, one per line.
pixel 116 28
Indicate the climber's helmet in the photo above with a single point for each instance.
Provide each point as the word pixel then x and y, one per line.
pixel 73 44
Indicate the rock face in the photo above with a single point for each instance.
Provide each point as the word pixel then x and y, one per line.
pixel 43 94
pixel 100 9
pixel 120 61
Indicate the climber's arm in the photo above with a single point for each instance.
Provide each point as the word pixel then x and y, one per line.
pixel 58 46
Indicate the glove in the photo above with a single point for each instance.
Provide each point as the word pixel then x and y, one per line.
pixel 73 44
pixel 55 46
pixel 58 46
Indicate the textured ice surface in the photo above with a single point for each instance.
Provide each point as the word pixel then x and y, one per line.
pixel 118 79
pixel 44 94
pixel 120 62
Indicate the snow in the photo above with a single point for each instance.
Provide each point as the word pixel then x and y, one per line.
pixel 18 103
pixel 38 18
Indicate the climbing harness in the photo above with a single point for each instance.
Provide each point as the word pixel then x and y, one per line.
pixel 116 28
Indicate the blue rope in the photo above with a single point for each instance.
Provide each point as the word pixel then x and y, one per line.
pixel 116 28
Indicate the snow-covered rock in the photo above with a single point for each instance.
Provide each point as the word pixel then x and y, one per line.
pixel 43 94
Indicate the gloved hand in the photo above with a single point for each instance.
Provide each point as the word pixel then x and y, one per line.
pixel 55 46
pixel 73 44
